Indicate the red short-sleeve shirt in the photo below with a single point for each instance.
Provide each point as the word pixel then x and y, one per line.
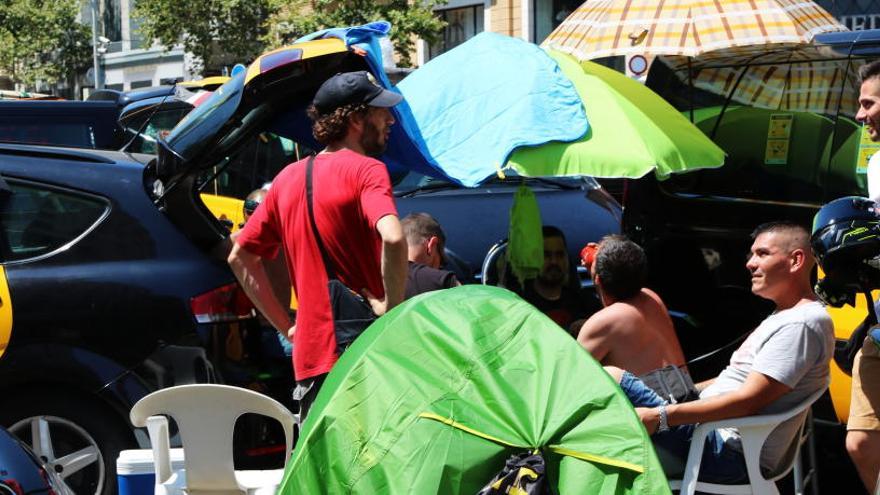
pixel 351 192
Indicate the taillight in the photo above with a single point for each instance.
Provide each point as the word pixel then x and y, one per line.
pixel 226 303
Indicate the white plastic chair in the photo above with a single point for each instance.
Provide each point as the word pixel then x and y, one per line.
pixel 205 416
pixel 754 431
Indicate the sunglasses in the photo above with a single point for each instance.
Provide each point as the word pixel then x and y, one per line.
pixel 250 205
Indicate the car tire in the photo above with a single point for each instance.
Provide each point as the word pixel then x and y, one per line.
pixel 77 437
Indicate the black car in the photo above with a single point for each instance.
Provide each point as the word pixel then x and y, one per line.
pixel 105 300
pixel 79 124
pixel 115 275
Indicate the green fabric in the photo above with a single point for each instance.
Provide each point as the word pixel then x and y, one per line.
pixel 525 245
pixel 632 132
pixel 480 357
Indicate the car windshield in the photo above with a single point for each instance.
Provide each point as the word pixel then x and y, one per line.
pixel 197 129
pixel 786 123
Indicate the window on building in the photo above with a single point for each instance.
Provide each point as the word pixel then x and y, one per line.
pixel 38 220
pixel 134 27
pixel 548 14
pixel 115 87
pixel 462 24
pixel 146 83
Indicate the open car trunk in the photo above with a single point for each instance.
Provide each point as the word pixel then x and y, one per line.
pixel 245 124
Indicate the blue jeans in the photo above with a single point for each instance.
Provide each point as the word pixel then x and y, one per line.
pixel 721 463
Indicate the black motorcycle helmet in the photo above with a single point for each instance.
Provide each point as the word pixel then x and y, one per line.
pixel 845 241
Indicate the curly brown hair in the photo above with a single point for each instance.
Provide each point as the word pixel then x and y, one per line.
pixel 331 127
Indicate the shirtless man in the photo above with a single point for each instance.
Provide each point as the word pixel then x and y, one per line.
pixel 633 331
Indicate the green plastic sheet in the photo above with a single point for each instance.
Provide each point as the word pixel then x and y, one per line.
pixel 633 131
pixel 438 393
pixel 525 246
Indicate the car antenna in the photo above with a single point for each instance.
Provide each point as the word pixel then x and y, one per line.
pixel 148 119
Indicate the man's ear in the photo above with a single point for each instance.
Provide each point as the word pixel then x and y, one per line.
pixel 356 121
pixel 798 259
pixel 432 244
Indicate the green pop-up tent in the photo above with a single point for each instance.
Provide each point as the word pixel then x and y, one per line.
pixel 437 394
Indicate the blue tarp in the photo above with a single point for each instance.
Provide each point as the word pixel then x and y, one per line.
pixel 466 110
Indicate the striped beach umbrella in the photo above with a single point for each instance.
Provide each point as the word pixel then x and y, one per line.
pixel 796 81
pixel 690 28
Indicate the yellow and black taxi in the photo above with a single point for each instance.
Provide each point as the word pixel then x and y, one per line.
pixel 791 148
pixel 113 280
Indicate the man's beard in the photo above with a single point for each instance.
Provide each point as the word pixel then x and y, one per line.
pixel 370 141
pixel 554 276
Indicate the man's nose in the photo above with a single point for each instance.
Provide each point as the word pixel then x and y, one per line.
pixel 751 265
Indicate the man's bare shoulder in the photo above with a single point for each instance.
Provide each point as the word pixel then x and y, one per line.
pixel 611 318
pixel 654 297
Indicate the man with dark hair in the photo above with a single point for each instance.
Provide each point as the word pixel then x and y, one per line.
pixel 781 363
pixel 553 292
pixel 331 213
pixel 633 330
pixel 425 243
pixel 863 426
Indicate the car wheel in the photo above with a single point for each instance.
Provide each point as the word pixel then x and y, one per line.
pixel 76 438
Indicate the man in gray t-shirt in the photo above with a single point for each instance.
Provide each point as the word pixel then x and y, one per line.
pixel 783 361
pixel 792 347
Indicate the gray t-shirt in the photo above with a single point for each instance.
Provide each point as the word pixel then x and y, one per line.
pixel 792 346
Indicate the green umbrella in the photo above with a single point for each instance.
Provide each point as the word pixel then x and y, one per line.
pixel 438 393
pixel 632 132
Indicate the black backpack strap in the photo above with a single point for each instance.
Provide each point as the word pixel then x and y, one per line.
pixel 328 265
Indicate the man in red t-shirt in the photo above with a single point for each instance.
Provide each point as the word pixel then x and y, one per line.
pixel 355 216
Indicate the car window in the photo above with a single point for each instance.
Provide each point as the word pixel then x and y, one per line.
pixel 160 124
pixel 37 220
pixel 254 164
pixel 807 154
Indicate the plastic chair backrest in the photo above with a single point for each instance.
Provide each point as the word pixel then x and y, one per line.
pixel 206 416
pixel 754 431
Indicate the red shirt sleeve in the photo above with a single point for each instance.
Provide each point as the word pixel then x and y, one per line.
pixel 261 234
pixel 377 199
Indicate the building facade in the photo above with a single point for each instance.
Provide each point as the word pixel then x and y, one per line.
pixel 533 20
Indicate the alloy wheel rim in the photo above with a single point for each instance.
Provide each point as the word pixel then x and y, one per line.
pixel 64 448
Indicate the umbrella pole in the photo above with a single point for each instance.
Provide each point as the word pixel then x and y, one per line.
pixel 691 89
pixel 727 101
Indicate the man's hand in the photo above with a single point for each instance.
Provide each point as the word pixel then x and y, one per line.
pixel 650 417
pixel 394 267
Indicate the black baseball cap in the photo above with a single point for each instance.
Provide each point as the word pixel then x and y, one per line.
pixel 353 87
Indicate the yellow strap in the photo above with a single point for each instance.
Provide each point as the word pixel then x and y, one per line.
pixel 554 448
pixel 472 431
pixel 597 459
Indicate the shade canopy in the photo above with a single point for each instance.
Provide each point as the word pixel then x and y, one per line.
pixel 473 105
pixel 633 132
pixel 686 27
pixel 438 393
pixel 803 78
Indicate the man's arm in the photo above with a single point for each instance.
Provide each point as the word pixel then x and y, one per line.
pixel 251 274
pixel 703 385
pixel 757 392
pixel 394 269
pixel 595 335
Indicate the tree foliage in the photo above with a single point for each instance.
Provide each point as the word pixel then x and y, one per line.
pixel 209 29
pixel 42 40
pixel 409 19
pixel 243 29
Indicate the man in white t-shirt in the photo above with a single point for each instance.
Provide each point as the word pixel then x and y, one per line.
pixel 783 362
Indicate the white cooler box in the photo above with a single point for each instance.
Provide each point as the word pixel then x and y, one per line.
pixel 135 473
